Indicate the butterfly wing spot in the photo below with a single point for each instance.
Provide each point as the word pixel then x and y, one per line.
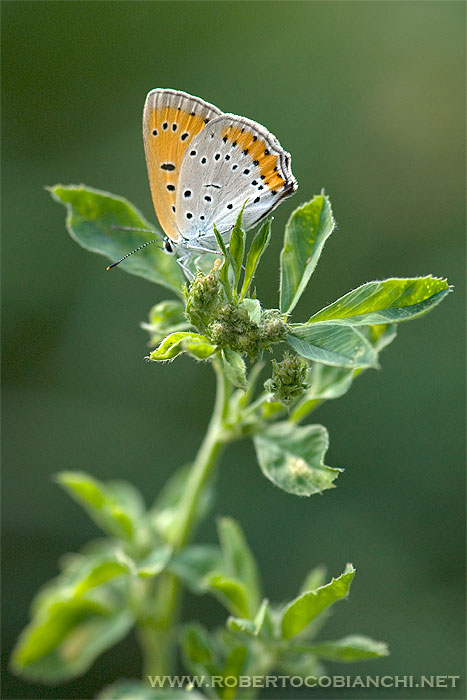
pixel 256 200
pixel 246 171
pixel 154 132
pixel 171 188
pixel 167 166
pixel 187 193
pixel 217 156
pixel 174 126
pixel 203 161
pixel 229 206
pixel 207 198
pixel 184 136
pixel 192 153
pixel 189 215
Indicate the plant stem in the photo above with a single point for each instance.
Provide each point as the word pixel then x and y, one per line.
pixel 206 459
pixel 158 638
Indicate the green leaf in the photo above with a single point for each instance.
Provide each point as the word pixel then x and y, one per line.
pixel 380 335
pixel 257 248
pixel 262 625
pixel 198 644
pixel 332 344
pixel 239 562
pixel 237 246
pixel 101 573
pixel 265 622
pixel 233 668
pixel 292 457
pixel 305 235
pixel 65 642
pixel 93 218
pixel 85 574
pixel 155 562
pixel 165 318
pixel 198 649
pixel 234 367
pixel 231 593
pixel 194 563
pixel 116 507
pixel 253 308
pixel 196 345
pixel 220 243
pixel 301 611
pixel 227 271
pixel 388 301
pixel 352 648
pixel 328 382
pixel 241 624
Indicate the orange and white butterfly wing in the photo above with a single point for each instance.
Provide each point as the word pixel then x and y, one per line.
pixel 233 163
pixel 171 120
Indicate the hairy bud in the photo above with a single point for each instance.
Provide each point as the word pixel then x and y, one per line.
pixel 288 381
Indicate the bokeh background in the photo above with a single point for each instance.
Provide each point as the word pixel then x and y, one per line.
pixel 369 99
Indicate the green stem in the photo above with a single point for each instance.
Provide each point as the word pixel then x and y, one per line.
pixel 158 638
pixel 206 459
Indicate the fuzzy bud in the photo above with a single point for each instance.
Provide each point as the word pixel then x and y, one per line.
pixel 202 299
pixel 288 381
pixel 273 329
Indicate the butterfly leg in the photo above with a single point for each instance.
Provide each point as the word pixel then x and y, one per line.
pixel 188 273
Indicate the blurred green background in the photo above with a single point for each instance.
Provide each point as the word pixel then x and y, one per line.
pixel 369 99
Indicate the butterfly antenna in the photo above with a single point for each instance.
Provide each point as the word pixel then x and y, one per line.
pixel 133 228
pixel 156 240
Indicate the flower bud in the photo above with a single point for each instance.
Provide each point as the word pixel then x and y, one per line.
pixel 202 299
pixel 288 381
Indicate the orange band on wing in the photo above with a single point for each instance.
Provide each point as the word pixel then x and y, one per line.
pixel 258 151
pixel 168 130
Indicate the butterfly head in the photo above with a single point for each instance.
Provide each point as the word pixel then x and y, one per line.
pixel 169 246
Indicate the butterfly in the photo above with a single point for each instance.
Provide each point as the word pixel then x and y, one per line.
pixel 204 167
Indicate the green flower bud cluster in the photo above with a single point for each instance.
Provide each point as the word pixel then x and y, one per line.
pixel 288 381
pixel 202 299
pixel 233 328
pixel 273 328
pixel 230 323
